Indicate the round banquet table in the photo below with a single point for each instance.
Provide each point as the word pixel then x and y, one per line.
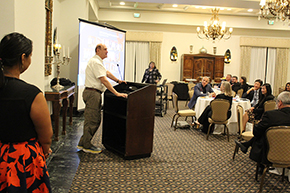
pixel 203 102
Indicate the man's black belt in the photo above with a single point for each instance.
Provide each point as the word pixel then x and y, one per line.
pixel 94 89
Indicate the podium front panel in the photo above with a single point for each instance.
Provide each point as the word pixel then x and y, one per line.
pixel 128 124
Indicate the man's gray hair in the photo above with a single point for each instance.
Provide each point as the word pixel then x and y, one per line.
pixel 284 97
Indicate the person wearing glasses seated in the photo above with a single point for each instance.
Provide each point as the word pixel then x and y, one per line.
pixel 226 94
pixel 272 118
pixel 254 93
pixel 256 112
pixel 201 89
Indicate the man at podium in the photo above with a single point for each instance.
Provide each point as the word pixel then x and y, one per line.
pixel 96 83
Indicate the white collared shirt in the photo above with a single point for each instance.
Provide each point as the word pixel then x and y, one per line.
pixel 94 71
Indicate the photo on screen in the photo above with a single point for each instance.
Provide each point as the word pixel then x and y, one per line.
pixel 91 34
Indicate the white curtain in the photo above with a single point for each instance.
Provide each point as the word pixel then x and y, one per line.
pixel 271 63
pixel 137 60
pixel 130 62
pixel 258 64
pixel 142 59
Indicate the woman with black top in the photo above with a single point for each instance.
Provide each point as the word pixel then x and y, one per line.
pixel 151 75
pixel 25 124
pixel 256 112
pixel 226 94
pixel 244 85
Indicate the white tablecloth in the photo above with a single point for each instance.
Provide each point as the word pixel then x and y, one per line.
pixel 203 102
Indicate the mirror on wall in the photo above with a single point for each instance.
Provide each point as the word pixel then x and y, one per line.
pixel 173 54
pixel 228 56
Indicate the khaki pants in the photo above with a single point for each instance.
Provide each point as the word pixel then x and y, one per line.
pixel 93 100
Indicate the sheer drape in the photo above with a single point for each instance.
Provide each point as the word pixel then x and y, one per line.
pixel 245 61
pixel 271 62
pixel 130 62
pixel 137 60
pixel 258 64
pixel 281 69
pixel 142 59
pixel 155 53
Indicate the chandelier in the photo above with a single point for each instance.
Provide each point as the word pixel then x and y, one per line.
pixel 275 9
pixel 214 31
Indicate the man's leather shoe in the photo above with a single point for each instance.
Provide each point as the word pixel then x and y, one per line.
pixel 243 148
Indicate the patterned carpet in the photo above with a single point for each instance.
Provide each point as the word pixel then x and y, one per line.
pixel 181 161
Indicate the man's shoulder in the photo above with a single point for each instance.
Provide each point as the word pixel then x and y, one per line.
pixel 198 84
pixel 278 112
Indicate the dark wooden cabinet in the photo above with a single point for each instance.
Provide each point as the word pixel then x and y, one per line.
pixel 196 66
pixel 128 123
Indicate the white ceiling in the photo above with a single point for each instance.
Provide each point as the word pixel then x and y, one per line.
pixel 227 7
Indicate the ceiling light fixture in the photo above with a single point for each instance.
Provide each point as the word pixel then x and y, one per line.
pixel 174 5
pixel 214 31
pixel 122 3
pixel 275 9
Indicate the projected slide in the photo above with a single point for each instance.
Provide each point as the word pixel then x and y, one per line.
pixel 91 34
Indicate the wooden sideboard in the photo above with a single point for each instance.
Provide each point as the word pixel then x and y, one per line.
pixel 56 96
pixel 195 66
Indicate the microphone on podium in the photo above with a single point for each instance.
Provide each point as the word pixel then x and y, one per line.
pixel 120 72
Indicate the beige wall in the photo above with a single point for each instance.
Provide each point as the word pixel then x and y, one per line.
pixel 182 41
pixel 178 30
pixel 20 16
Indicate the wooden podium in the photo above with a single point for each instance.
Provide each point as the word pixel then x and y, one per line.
pixel 128 123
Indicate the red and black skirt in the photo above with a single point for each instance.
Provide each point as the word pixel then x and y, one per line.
pixel 23 168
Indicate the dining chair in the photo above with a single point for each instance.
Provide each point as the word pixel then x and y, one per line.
pixel 169 93
pixel 243 136
pixel 233 93
pixel 219 108
pixel 180 113
pixel 278 152
pixel 240 92
pixel 269 105
pixel 190 92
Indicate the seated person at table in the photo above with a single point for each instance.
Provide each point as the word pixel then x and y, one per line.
pixel 235 84
pixel 287 87
pixel 254 93
pixel 276 117
pixel 256 112
pixel 228 78
pixel 227 95
pixel 200 89
pixel 244 85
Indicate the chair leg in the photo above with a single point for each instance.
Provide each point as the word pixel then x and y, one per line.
pixel 227 130
pixel 208 131
pixel 173 120
pixel 176 123
pixel 283 174
pixel 236 151
pixel 262 178
pixel 257 171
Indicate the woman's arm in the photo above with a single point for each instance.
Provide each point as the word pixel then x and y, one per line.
pixel 159 76
pixel 144 76
pixel 41 119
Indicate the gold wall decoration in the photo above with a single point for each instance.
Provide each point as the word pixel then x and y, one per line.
pixel 48 37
